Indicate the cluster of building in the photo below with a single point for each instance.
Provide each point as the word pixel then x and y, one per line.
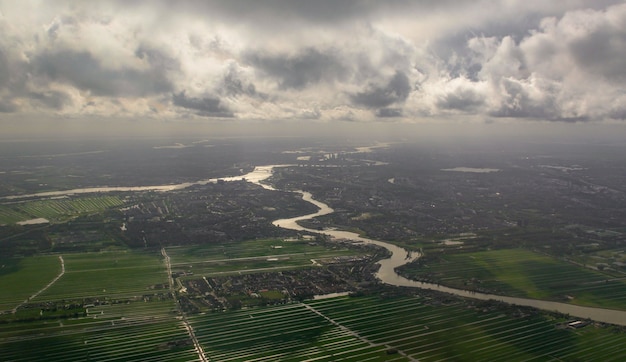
pixel 229 211
pixel 256 289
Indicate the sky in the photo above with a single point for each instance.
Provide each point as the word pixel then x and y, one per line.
pixel 313 62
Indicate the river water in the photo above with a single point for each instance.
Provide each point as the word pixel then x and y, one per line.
pixel 386 273
pixel 400 256
pixel 259 174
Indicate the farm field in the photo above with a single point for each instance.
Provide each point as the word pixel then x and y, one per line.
pixel 104 307
pixel 284 333
pixel 523 273
pixel 56 210
pixel 396 329
pixel 20 278
pixel 263 254
pixel 134 338
pixel 115 274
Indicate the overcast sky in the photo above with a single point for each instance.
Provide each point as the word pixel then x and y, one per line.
pixel 314 60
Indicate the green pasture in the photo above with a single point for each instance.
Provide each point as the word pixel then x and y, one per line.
pixel 115 274
pixel 130 339
pixel 252 255
pixel 396 329
pixel 244 249
pixel 523 273
pixel 22 277
pixel 56 209
pixel 429 332
pixel 283 333
pixel 109 324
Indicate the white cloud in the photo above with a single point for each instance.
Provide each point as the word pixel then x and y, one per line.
pixel 324 60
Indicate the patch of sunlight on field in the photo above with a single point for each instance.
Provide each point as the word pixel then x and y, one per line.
pixel 523 273
pixel 22 277
pixel 117 274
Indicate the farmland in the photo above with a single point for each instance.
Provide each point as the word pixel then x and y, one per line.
pixel 392 329
pixel 106 306
pixel 523 273
pixel 146 335
pixel 116 274
pixel 56 210
pixel 356 328
pixel 229 258
pixel 22 277
pixel 134 271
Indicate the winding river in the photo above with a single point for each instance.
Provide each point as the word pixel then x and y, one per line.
pixel 386 273
pixel 400 256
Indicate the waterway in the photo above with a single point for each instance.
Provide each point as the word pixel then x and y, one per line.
pixel 400 256
pixel 386 273
pixel 259 174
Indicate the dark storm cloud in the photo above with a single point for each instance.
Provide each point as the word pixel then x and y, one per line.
pixel 461 99
pixel 319 11
pixel 4 69
pixel 50 99
pixel 389 113
pixel 619 113
pixel 7 106
pixel 308 66
pixel 235 84
pixel 603 52
pixel 395 91
pixel 206 106
pixel 85 72
pixel 157 58
pixel 518 103
pixel 326 59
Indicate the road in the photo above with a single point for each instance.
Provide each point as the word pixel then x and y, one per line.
pixel 188 327
pixel 44 288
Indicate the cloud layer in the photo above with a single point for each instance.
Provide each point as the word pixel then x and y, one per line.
pixel 323 60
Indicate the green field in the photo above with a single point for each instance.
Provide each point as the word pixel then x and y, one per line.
pixel 523 273
pixel 21 278
pixel 252 255
pixel 93 339
pixel 104 307
pixel 56 209
pixel 115 274
pixel 128 315
pixel 284 333
pixel 367 328
pixel 371 329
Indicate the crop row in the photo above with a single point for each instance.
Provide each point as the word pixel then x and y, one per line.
pixel 21 278
pixel 522 273
pixel 111 274
pixel 434 332
pixel 288 333
pixel 252 248
pixel 364 328
pixel 113 340
pixel 9 215
pixel 57 208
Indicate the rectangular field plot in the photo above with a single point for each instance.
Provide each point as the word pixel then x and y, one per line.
pixel 283 333
pixel 253 255
pixel 523 273
pixel 11 215
pixel 117 274
pixel 56 209
pixel 429 332
pixel 161 339
pixel 23 277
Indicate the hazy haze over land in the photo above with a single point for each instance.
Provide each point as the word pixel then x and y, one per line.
pixel 163 67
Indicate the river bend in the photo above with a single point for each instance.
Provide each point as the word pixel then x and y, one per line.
pixel 386 273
